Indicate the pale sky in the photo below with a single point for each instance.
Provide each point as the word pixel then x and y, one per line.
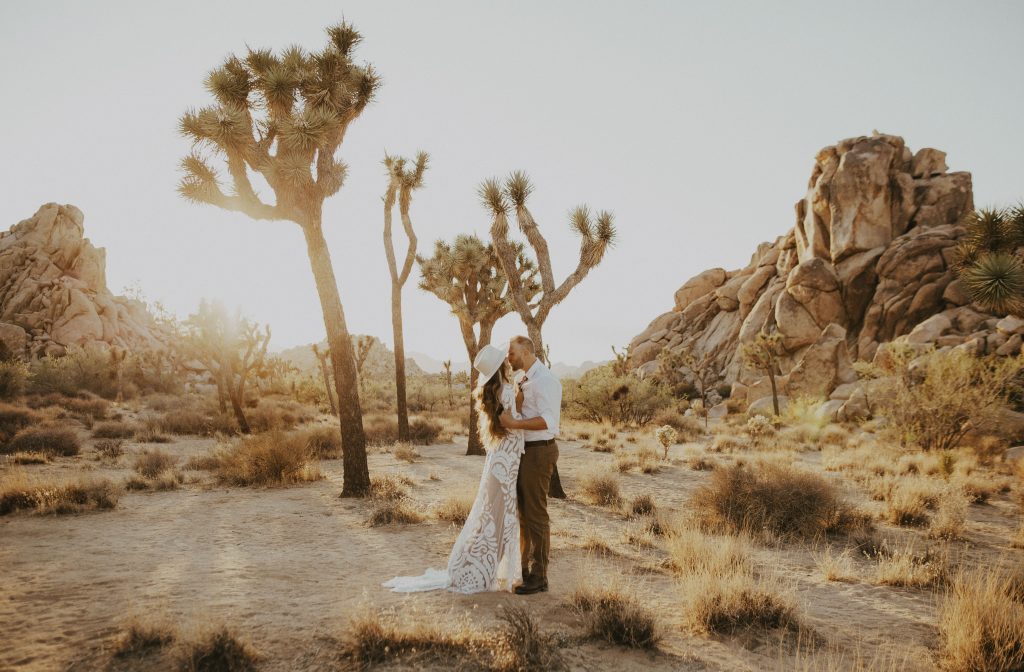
pixel 695 123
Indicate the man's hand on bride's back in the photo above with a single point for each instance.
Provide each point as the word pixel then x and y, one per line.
pixel 506 419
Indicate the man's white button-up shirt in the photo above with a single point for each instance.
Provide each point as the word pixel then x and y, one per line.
pixel 542 396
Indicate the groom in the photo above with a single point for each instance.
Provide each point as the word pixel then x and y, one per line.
pixel 542 403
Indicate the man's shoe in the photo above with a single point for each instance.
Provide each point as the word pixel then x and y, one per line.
pixel 530 589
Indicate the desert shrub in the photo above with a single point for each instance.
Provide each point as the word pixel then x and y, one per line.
pixel 271 458
pixel 933 401
pixel 389 487
pixel 455 508
pixel 648 460
pixel 404 452
pixel 150 463
pixel 834 435
pixel 110 448
pixel 949 520
pixel 601 395
pixel 835 567
pixel 804 415
pixel 601 488
pixel 423 431
pixel 727 443
pixel 113 430
pixel 687 428
pixel 379 636
pixel 389 511
pixel 18 492
pixel 272 414
pixel 981 622
pixel 614 615
pixel 141 637
pixel 30 458
pixel 13 419
pixel 624 461
pixel 383 430
pixel 14 378
pixel 88 369
pixel 219 650
pixel 771 498
pixel 908 568
pixel 666 436
pixel 196 422
pixel 733 601
pixel 150 434
pixel 323 442
pixel 44 440
pixel 760 430
pixel 641 505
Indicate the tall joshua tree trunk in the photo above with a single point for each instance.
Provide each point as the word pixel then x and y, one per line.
pixel 401 184
pixel 343 362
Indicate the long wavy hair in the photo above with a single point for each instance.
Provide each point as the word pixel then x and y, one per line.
pixel 489 407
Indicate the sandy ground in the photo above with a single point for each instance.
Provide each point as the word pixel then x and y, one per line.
pixel 286 566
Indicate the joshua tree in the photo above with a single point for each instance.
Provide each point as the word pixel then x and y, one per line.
pixel 621 364
pixel 402 182
pixel 988 263
pixel 447 364
pixel 701 369
pixel 284 117
pixel 596 236
pixel 762 354
pixel 230 349
pixel 364 345
pixel 467 276
pixel 321 358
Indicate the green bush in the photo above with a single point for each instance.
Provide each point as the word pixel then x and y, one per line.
pixel 601 395
pixel 14 378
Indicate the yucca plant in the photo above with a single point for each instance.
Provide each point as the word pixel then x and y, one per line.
pixel 284 116
pixel 988 263
pixel 596 232
pixel 467 276
pixel 403 180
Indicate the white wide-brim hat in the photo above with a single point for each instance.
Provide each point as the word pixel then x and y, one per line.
pixel 489 360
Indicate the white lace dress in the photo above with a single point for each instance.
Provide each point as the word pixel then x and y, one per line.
pixel 486 555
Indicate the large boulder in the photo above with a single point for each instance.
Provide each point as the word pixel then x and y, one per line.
pixel 53 291
pixel 870 256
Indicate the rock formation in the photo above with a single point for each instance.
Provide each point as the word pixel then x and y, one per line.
pixel 53 291
pixel 868 260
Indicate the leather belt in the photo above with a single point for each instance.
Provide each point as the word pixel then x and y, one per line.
pixel 545 442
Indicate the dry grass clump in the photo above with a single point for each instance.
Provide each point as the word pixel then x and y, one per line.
pixel 87 407
pixel 625 460
pixel 648 460
pixel 282 414
pixel 836 567
pixel 113 429
pixel 834 435
pixel 981 622
pixel 601 488
pixel 18 492
pixel 151 434
pixel 30 458
pixel 139 638
pixel 728 443
pixel 150 463
pixel 389 487
pixel 601 445
pixel 641 505
pixel 109 448
pixel 376 637
pixel 949 520
pixel 13 419
pixel 1018 537
pixel 196 422
pixel 272 458
pixel 219 650
pixel 47 440
pixel 908 568
pixel 909 499
pixel 691 551
pixel 978 490
pixel 383 430
pixel 724 604
pixel 391 502
pixel 405 452
pixel 614 614
pixel 455 508
pixel 323 442
pixel 773 499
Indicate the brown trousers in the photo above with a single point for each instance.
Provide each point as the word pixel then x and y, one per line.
pixel 535 468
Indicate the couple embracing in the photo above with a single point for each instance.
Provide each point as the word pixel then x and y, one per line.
pixel 504 544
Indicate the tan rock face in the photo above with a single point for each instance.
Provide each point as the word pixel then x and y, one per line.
pixel 53 290
pixel 869 257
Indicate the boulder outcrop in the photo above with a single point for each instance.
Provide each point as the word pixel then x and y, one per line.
pixel 53 291
pixel 868 260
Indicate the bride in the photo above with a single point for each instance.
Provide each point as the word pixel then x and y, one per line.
pixel 486 554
